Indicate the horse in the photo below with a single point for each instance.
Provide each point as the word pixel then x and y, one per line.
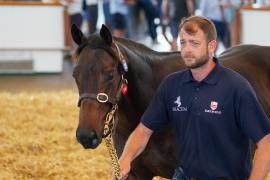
pixel 106 63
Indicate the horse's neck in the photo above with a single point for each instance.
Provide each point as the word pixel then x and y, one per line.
pixel 151 69
pixel 145 74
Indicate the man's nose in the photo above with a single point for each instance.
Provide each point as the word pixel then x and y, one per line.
pixel 186 47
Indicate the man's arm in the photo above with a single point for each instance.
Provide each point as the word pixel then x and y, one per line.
pixel 190 7
pixel 136 143
pixel 165 8
pixel 261 164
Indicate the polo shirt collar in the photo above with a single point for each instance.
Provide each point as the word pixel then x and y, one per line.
pixel 211 78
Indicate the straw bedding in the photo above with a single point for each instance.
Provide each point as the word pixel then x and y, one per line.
pixel 37 135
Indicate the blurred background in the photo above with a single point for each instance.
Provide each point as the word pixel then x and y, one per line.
pixel 38 96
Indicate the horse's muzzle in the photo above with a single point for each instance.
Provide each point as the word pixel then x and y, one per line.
pixel 88 139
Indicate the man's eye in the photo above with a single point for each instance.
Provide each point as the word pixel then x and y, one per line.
pixel 195 43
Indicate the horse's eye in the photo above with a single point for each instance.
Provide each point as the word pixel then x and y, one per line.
pixel 109 76
pixel 75 72
pixel 74 75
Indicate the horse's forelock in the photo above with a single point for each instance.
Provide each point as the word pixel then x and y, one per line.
pixel 95 42
pixel 93 39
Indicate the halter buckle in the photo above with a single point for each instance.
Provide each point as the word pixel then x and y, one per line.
pixel 102 97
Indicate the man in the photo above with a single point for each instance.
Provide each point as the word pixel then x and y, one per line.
pixel 118 11
pixel 92 15
pixel 215 113
pixel 217 11
pixel 175 10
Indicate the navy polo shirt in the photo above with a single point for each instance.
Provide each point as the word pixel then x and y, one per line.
pixel 213 119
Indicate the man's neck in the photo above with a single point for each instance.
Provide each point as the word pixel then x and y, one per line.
pixel 201 72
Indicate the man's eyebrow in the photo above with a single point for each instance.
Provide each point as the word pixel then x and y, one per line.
pixel 192 40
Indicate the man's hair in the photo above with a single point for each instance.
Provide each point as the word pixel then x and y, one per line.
pixel 192 23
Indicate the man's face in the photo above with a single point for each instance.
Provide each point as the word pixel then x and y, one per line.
pixel 194 48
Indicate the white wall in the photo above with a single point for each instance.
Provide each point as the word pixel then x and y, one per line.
pixel 36 29
pixel 255 27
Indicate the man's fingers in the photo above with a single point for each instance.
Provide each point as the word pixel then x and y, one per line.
pixel 125 177
pixel 124 174
pixel 113 177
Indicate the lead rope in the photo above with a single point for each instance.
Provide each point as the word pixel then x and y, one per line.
pixel 109 122
pixel 108 126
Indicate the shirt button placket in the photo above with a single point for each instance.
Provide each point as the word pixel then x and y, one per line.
pixel 197 89
pixel 196 94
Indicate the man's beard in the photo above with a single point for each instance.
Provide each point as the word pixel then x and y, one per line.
pixel 198 61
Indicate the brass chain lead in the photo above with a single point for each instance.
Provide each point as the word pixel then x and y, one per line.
pixel 109 122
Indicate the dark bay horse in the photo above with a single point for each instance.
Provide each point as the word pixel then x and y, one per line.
pixel 100 69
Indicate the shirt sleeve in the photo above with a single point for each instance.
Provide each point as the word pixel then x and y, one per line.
pixel 156 114
pixel 253 120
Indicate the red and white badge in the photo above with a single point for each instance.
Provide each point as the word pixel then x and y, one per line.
pixel 214 105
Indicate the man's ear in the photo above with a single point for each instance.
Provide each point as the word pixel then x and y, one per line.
pixel 77 35
pixel 212 46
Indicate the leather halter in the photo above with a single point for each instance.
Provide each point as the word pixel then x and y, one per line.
pixel 102 97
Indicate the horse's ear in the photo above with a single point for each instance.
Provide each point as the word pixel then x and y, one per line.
pixel 106 34
pixel 77 35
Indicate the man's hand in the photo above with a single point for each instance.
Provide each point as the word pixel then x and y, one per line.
pixel 261 165
pixel 134 146
pixel 130 2
pixel 124 169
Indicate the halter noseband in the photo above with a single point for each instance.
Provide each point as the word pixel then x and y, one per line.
pixel 103 97
pixel 100 97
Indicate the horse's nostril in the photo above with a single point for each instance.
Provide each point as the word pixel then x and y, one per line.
pixel 88 140
pixel 95 142
pixel 92 134
pixel 78 136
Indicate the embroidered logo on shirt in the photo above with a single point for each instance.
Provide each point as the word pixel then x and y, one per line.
pixel 213 107
pixel 178 103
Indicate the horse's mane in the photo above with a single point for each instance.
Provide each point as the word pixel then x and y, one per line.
pixel 147 54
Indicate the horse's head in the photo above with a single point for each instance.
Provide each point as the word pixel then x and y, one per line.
pixel 99 76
